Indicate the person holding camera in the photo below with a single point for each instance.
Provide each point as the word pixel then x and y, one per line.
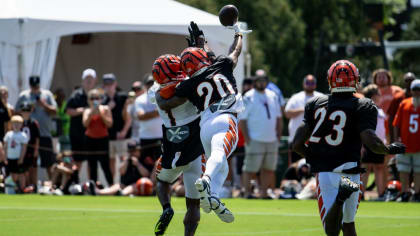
pixel 44 109
pixel 97 119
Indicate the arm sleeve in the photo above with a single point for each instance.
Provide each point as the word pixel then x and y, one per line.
pixel 368 116
pixel 309 115
pixel 226 62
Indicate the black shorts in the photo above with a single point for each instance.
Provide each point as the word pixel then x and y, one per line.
pixel 77 146
pixel 14 167
pixel 46 152
pixel 184 140
pixel 369 157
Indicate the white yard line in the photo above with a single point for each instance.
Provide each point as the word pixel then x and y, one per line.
pixel 183 212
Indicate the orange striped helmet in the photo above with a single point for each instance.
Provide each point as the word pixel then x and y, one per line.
pixel 193 59
pixel 343 76
pixel 167 68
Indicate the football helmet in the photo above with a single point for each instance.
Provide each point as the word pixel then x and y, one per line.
pixel 193 59
pixel 167 68
pixel 343 76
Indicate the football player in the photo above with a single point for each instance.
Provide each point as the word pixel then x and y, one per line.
pixel 334 128
pixel 182 149
pixel 212 89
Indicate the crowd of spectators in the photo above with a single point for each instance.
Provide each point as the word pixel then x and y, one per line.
pixel 122 131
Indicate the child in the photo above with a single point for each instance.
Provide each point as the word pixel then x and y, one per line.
pixel 15 142
pixel 31 129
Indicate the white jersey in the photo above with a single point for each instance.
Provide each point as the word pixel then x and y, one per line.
pixel 178 116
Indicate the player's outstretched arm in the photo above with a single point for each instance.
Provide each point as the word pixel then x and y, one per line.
pixel 302 135
pixel 197 39
pixel 236 48
pixel 375 144
pixel 168 104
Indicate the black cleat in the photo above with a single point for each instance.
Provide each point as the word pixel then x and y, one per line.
pixel 164 221
pixel 346 188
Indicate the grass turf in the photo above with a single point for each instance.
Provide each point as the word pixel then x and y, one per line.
pixel 83 215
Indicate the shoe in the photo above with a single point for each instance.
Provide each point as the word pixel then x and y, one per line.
pixel 89 188
pixel 203 187
pixel 346 188
pixel 416 197
pixel 164 221
pixel 405 197
pixel 221 211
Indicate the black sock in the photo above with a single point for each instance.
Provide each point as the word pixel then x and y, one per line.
pixel 166 206
pixel 339 201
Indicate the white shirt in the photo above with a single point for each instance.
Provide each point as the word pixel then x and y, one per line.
pixel 297 101
pixel 261 113
pixel 14 143
pixel 152 128
pixel 380 126
pixel 135 122
pixel 180 115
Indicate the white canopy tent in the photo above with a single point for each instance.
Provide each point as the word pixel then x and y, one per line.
pixel 30 31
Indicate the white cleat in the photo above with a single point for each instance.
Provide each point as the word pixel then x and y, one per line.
pixel 221 211
pixel 203 187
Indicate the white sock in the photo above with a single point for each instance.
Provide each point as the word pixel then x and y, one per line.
pixel 217 170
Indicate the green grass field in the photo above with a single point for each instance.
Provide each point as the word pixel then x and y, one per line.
pixel 83 215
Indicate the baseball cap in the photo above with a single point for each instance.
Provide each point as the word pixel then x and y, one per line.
pixel 25 106
pixel 415 84
pixel 34 80
pixel 107 78
pixel 17 119
pixel 88 72
pixel 260 74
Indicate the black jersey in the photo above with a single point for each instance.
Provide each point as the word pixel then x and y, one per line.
pixel 336 122
pixel 210 85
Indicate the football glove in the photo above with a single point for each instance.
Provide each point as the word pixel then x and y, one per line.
pixel 396 148
pixel 238 28
pixel 196 34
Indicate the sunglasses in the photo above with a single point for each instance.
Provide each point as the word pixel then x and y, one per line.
pixel 310 83
pixel 95 98
pixel 136 88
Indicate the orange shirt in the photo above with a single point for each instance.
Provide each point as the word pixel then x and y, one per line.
pixel 96 128
pixel 387 94
pixel 407 120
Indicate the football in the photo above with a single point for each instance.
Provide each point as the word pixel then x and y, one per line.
pixel 144 187
pixel 228 15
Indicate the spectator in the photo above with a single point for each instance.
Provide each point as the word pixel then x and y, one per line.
pixel 273 87
pixel 150 124
pixel 120 127
pixel 132 170
pixel 136 90
pixel 295 108
pixel 98 119
pixel 371 160
pixel 261 124
pixel 64 174
pixel 45 108
pixel 31 129
pixel 383 79
pixel 15 142
pixel 395 103
pixel 406 124
pixel 63 120
pixel 5 112
pixel 76 105
pixel 296 177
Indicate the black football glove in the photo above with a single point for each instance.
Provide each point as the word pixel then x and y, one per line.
pixel 396 148
pixel 196 34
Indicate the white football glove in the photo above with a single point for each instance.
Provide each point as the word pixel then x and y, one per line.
pixel 239 28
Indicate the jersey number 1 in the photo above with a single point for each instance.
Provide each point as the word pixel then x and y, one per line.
pixel 338 127
pixel 218 78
